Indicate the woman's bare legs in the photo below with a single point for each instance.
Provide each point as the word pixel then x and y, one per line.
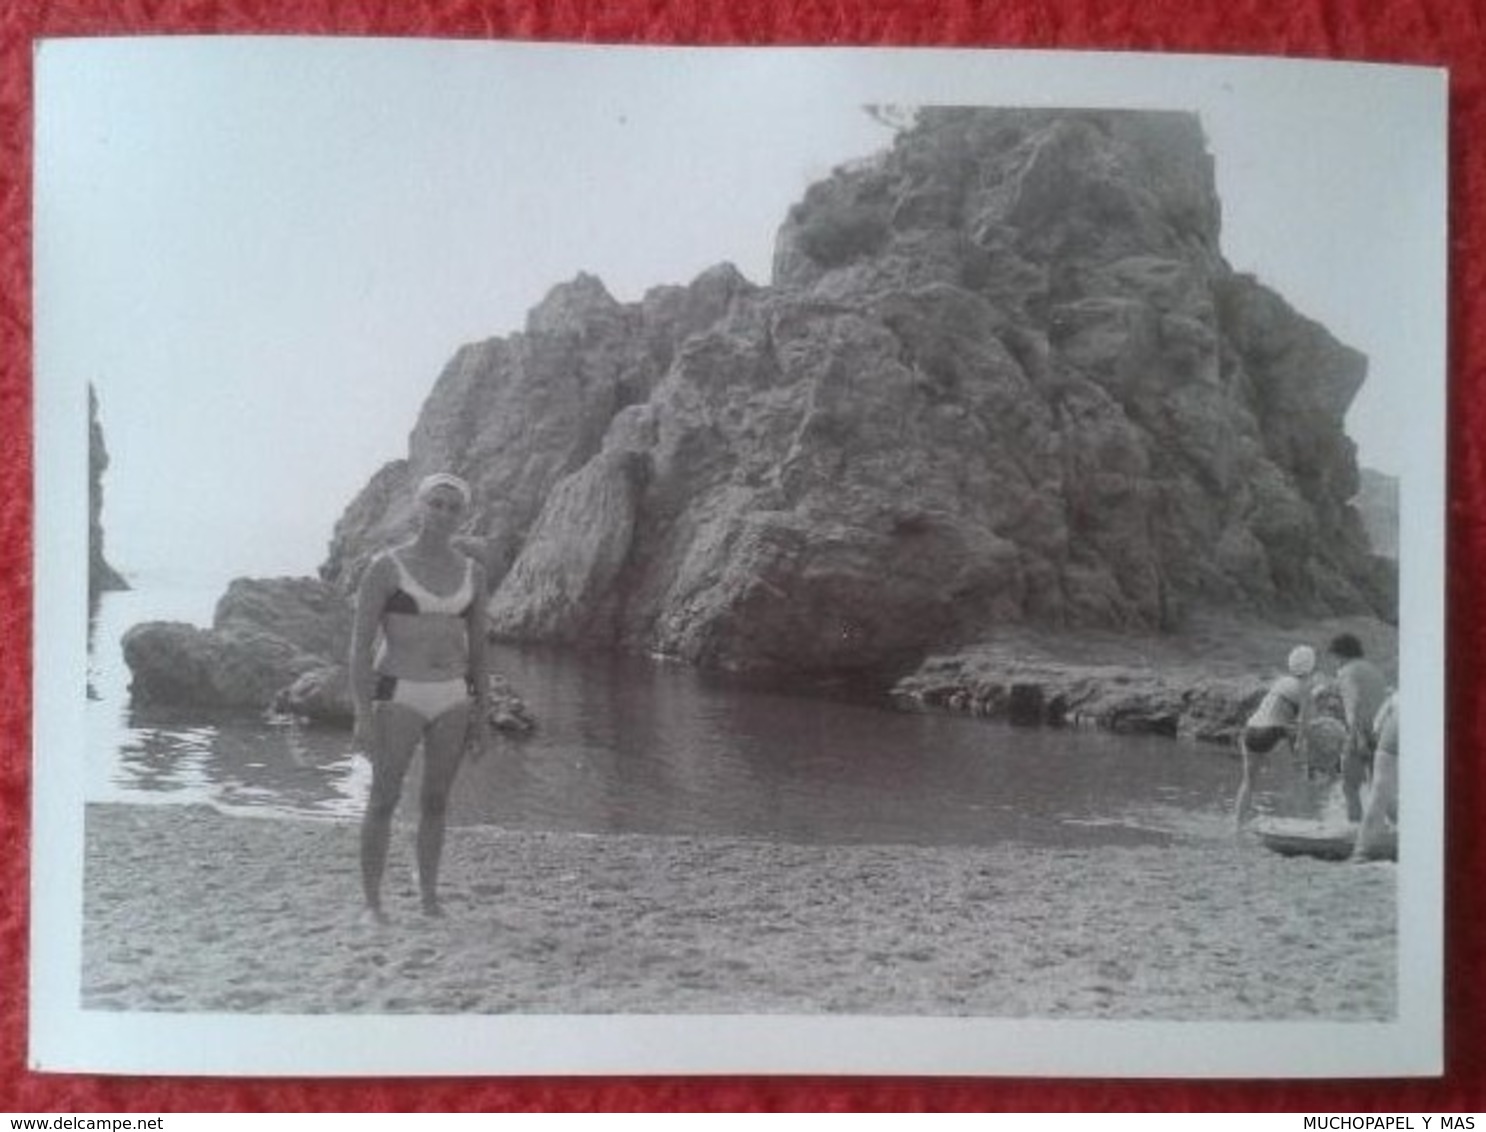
pixel 1354 776
pixel 1243 804
pixel 443 750
pixel 395 735
pixel 1382 806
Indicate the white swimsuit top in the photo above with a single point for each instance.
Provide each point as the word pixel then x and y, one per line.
pixel 413 597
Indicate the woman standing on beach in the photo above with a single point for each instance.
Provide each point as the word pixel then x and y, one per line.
pixel 418 673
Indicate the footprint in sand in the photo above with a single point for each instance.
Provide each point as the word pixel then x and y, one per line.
pixel 421 959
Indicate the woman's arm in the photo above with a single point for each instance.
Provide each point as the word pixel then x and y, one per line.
pixel 479 669
pixel 371 597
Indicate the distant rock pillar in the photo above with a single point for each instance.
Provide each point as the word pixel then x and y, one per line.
pixel 101 576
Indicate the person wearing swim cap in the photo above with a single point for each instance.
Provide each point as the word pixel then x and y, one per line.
pixel 418 675
pixel 1283 714
pixel 443 479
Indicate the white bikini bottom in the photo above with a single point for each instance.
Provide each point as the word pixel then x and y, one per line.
pixel 429 698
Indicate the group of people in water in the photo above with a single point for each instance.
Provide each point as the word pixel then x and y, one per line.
pixel 418 675
pixel 1368 760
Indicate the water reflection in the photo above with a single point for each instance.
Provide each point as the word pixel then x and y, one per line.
pixel 627 747
pixel 240 763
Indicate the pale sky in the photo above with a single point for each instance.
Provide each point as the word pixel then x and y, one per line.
pixel 262 252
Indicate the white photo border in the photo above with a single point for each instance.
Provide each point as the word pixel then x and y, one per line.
pixel 65 1037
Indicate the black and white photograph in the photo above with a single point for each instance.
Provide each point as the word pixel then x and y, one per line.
pixel 562 559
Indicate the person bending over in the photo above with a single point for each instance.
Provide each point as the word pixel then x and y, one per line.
pixel 418 673
pixel 1283 714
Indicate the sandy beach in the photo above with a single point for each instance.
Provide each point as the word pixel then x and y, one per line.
pixel 186 909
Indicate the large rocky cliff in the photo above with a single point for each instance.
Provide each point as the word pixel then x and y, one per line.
pixel 1002 374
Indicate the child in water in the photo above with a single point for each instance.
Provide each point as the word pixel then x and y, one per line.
pixel 1283 714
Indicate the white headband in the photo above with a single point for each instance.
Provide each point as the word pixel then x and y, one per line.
pixel 443 479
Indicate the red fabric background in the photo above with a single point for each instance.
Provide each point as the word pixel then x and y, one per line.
pixel 1435 32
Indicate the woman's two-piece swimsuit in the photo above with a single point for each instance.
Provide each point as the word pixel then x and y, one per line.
pixel 1276 715
pixel 429 698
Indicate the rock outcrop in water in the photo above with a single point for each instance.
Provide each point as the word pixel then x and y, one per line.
pixel 266 635
pixel 101 576
pixel 1002 376
pixel 279 643
pixel 1202 684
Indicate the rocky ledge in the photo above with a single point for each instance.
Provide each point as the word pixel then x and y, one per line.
pixel 1201 684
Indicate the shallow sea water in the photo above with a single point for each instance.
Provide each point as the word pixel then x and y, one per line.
pixel 628 745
